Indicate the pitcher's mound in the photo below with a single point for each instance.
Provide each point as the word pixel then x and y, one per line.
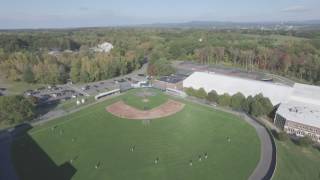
pixel 123 110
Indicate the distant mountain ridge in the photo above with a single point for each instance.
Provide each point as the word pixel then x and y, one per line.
pixel 230 24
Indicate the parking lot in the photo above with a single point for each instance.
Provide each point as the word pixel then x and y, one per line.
pixel 110 84
pixel 53 93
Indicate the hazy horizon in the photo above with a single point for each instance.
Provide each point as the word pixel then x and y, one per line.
pixel 60 14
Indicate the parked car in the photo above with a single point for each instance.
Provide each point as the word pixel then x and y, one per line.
pixel 85 87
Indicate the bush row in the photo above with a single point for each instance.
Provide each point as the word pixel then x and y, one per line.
pixel 254 105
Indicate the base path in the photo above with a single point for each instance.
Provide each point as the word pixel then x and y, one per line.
pixel 123 110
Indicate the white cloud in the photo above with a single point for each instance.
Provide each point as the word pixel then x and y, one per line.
pixel 295 9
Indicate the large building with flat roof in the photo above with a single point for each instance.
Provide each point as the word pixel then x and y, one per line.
pixel 300 114
pixel 299 110
pixel 209 81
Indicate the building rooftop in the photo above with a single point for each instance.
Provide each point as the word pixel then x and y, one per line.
pixel 228 84
pixel 300 112
pixel 306 93
pixel 303 105
pixel 175 78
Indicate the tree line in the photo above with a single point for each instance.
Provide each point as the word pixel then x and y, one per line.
pixel 24 55
pixel 257 105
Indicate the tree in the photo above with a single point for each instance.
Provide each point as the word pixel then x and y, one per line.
pixel 247 104
pixel 84 76
pixel 212 96
pixel 265 104
pixel 160 67
pixel 224 100
pixel 190 91
pixel 28 75
pixel 63 75
pixel 256 109
pixel 75 71
pixel 237 101
pixel 15 109
pixel 201 93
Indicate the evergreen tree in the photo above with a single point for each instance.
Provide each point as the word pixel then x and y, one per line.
pixel 28 75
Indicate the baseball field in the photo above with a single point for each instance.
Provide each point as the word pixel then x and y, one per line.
pixel 177 140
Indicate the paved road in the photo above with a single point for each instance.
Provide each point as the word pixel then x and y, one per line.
pixel 266 165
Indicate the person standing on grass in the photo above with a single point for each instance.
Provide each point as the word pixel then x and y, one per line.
pixel 156 161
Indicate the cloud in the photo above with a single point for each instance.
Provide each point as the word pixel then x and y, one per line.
pixel 84 8
pixel 295 9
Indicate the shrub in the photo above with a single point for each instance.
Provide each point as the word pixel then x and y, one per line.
pixel 190 91
pixel 237 101
pixel 224 100
pixel 281 136
pixel 201 93
pixel 212 96
pixel 305 141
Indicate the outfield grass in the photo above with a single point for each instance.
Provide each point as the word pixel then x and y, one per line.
pixel 155 100
pixel 93 135
pixel 296 163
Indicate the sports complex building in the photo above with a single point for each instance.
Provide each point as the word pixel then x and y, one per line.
pixel 300 114
pixel 299 106
pixel 228 84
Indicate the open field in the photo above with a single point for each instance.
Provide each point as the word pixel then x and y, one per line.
pixel 15 88
pixel 93 144
pixel 136 99
pixel 296 163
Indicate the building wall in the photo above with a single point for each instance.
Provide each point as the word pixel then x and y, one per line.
pixel 279 121
pixel 302 130
pixel 165 85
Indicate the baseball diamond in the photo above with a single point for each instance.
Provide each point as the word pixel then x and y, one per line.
pixel 187 141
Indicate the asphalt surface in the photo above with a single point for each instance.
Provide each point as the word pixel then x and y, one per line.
pixel 109 84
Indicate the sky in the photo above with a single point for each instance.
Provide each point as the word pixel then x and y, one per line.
pixel 87 13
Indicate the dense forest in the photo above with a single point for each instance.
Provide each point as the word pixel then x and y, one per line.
pixel 24 55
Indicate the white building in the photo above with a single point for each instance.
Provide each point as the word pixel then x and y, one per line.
pixel 104 94
pixel 104 47
pixel 299 110
pixel 300 115
pixel 228 84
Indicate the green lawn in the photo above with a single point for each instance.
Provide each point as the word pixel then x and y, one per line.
pixel 93 135
pixel 134 98
pixel 296 163
pixel 14 88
